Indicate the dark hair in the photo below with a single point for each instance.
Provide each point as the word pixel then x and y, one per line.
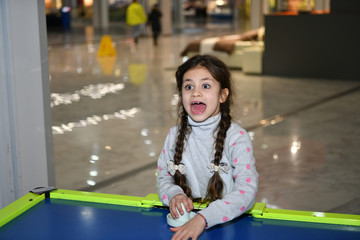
pixel 222 74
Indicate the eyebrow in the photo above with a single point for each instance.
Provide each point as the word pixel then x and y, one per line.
pixel 203 79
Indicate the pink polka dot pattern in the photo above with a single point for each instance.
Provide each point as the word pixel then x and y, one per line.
pixel 227 203
pixel 235 176
pixel 234 144
pixel 248 167
pixel 242 192
pixel 160 168
pixel 241 132
pixel 163 151
pixel 248 180
pixel 164 197
pixel 248 149
pixel 242 209
pixel 224 219
pixel 235 160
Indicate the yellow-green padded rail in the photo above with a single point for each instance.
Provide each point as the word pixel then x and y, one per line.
pixel 153 200
pixel 18 207
pixel 308 216
pixel 259 210
pixel 97 197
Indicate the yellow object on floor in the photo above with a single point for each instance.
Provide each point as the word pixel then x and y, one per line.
pixel 106 47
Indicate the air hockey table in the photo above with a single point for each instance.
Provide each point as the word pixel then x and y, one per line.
pixel 65 214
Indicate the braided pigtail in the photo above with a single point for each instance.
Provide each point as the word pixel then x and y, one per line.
pixel 216 185
pixel 179 178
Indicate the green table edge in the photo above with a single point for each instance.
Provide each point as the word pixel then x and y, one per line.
pixel 308 216
pixel 18 207
pixel 259 210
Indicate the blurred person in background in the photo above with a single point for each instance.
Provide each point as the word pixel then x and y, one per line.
pixel 135 16
pixel 154 20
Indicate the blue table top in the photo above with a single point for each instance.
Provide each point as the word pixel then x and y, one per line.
pixel 66 219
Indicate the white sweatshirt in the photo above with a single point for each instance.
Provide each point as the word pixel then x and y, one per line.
pixel 240 181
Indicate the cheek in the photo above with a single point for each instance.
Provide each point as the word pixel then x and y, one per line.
pixel 184 99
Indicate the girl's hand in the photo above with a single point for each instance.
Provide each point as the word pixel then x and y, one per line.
pixel 192 229
pixel 175 203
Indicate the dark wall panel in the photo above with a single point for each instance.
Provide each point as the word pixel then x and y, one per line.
pixel 320 46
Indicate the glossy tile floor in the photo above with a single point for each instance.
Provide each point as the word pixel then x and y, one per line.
pixel 111 115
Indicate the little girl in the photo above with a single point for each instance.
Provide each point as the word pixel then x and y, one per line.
pixel 207 157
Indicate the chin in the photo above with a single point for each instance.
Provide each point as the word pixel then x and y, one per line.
pixel 198 118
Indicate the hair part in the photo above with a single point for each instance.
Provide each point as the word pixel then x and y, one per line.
pixel 221 73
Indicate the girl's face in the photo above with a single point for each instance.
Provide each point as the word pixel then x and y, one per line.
pixel 201 94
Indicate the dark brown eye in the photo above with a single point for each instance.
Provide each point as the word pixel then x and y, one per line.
pixel 206 86
pixel 188 87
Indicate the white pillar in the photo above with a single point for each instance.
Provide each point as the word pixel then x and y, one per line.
pixel 166 20
pixel 256 15
pixel 101 14
pixel 265 9
pixel 26 149
pixel 322 4
pixel 280 5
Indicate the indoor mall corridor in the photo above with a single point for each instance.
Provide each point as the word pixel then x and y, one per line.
pixel 111 115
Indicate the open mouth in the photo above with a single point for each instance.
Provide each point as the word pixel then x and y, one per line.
pixel 198 108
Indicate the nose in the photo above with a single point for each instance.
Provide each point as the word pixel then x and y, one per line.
pixel 196 92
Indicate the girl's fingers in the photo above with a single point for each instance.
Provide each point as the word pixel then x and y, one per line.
pixel 187 206
pixel 190 205
pixel 179 207
pixel 173 210
pixel 176 208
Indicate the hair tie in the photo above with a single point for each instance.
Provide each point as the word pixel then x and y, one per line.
pixel 222 167
pixel 173 167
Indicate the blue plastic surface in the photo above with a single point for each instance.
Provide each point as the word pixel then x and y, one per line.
pixel 64 219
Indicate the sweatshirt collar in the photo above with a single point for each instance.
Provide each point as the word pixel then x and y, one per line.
pixel 206 126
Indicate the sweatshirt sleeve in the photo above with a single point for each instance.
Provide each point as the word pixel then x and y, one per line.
pixel 239 151
pixel 165 183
